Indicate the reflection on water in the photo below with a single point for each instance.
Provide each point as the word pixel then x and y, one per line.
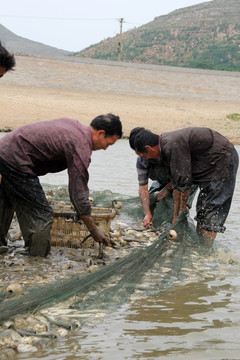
pixel 197 321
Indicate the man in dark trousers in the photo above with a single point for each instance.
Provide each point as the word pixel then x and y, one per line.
pixel 7 61
pixel 43 147
pixel 201 156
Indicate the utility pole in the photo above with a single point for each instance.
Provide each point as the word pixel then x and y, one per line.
pixel 119 49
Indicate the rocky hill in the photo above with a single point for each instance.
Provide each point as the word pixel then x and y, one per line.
pixel 206 35
pixel 21 46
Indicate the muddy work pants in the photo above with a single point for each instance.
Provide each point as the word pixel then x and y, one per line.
pixel 215 198
pixel 22 193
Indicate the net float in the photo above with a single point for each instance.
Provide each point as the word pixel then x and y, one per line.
pixel 172 235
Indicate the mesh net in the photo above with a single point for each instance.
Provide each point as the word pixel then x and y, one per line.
pixel 113 284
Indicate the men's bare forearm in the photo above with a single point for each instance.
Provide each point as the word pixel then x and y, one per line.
pixel 180 202
pixel 165 191
pixel 177 201
pixel 184 199
pixel 97 233
pixel 89 222
pixel 144 198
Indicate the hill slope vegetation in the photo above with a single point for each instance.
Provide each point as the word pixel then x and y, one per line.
pixel 206 35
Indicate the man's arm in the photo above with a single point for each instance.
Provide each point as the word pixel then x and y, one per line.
pixel 79 192
pixel 144 199
pixel 97 233
pixel 180 202
pixel 165 191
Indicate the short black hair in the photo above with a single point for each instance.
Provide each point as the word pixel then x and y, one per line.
pixel 144 138
pixel 133 134
pixel 7 60
pixel 110 123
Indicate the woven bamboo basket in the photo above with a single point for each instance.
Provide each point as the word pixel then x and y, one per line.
pixel 67 231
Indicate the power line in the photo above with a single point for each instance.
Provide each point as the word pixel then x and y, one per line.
pixel 64 18
pixel 57 18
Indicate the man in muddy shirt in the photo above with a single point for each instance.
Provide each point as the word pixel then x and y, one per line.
pixel 49 146
pixel 160 189
pixel 200 156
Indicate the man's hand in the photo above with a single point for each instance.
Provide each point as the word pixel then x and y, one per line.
pixel 97 233
pixel 99 236
pixel 144 199
pixel 148 220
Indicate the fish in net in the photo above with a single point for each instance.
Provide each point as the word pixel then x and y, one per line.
pixel 113 284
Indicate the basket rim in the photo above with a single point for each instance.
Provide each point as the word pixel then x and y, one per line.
pixel 73 214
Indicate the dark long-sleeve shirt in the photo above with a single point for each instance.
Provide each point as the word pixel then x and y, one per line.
pixel 52 146
pixel 195 155
pixel 143 169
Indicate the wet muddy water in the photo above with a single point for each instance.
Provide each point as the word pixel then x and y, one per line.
pixel 197 318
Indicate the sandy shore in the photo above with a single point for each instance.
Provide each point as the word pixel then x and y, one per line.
pixel 159 98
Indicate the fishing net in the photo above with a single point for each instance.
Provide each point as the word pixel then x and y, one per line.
pixel 113 284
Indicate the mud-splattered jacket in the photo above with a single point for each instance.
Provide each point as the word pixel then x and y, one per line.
pixel 191 155
pixel 153 169
pixel 195 155
pixel 52 146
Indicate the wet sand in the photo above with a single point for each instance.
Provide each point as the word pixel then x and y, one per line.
pixel 157 97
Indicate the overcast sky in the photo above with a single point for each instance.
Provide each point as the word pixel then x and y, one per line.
pixel 75 24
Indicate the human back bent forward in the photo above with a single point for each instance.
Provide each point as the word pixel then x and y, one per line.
pixel 37 149
pixel 201 156
pixel 157 201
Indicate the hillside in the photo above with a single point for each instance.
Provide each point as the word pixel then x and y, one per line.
pixel 206 36
pixel 21 46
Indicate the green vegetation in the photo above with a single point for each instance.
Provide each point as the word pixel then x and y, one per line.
pixel 234 117
pixel 217 56
pixel 205 36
